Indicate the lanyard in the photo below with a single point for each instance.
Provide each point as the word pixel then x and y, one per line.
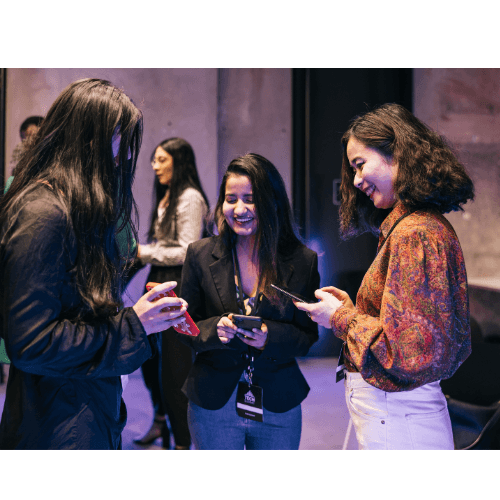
pixel 239 284
pixel 241 305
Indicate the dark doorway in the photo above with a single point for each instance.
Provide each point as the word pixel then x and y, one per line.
pixel 324 102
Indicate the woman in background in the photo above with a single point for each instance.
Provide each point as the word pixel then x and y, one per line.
pixel 61 273
pixel 231 274
pixel 410 326
pixel 178 219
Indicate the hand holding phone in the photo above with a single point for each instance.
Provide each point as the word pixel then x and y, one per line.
pixel 188 326
pixel 248 324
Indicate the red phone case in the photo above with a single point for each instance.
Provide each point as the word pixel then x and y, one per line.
pixel 190 327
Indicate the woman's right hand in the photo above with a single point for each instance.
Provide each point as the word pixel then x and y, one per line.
pixel 150 313
pixel 226 329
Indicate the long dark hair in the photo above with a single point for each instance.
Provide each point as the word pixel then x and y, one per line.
pixel 276 232
pixel 184 175
pixel 429 174
pixel 72 153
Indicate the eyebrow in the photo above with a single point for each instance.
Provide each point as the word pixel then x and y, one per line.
pixel 357 157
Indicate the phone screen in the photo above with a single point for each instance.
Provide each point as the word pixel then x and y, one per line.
pixel 247 322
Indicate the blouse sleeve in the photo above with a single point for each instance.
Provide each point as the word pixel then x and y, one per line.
pixel 422 334
pixel 191 212
pixel 36 264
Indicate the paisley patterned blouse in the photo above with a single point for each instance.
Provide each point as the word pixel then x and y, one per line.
pixel 411 322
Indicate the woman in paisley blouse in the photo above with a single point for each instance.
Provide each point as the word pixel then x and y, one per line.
pixel 410 326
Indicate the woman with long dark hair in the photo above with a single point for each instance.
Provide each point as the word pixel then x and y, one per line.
pixel 61 272
pixel 177 219
pixel 245 388
pixel 410 326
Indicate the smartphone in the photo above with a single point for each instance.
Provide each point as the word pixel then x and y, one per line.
pixel 247 322
pixel 293 296
pixel 189 326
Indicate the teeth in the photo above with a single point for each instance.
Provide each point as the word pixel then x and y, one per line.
pixel 368 192
pixel 243 220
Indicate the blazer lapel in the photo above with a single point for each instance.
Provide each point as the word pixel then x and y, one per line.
pixel 287 270
pixel 222 271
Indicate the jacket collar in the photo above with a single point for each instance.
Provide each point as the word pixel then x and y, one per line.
pixel 222 271
pixel 219 250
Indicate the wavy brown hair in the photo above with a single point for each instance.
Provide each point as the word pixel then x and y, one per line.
pixel 429 174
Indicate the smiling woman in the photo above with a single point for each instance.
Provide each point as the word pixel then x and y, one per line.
pixel 230 274
pixel 410 325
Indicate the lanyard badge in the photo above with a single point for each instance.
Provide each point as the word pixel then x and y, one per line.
pixel 249 397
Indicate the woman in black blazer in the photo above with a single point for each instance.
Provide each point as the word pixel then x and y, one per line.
pixel 237 370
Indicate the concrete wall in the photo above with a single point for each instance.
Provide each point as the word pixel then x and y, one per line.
pixel 255 116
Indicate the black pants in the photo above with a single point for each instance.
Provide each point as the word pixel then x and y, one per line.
pixel 164 373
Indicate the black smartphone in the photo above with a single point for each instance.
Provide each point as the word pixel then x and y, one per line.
pixel 293 296
pixel 247 322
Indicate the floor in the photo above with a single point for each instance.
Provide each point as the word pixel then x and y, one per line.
pixel 324 414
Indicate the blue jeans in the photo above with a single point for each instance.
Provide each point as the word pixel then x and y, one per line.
pixel 224 429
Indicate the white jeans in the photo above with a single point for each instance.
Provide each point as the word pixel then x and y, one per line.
pixel 407 420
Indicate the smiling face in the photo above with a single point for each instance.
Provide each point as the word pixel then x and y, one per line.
pixel 374 174
pixel 163 165
pixel 238 208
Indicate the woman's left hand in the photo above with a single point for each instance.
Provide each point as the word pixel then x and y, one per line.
pixel 330 299
pixel 256 338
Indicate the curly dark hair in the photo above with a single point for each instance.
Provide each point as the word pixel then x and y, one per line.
pixel 429 174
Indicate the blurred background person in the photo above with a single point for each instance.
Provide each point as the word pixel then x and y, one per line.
pixel 27 131
pixel 410 326
pixel 178 218
pixel 231 274
pixel 61 273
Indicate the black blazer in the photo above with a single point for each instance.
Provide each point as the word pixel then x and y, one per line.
pixel 209 288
